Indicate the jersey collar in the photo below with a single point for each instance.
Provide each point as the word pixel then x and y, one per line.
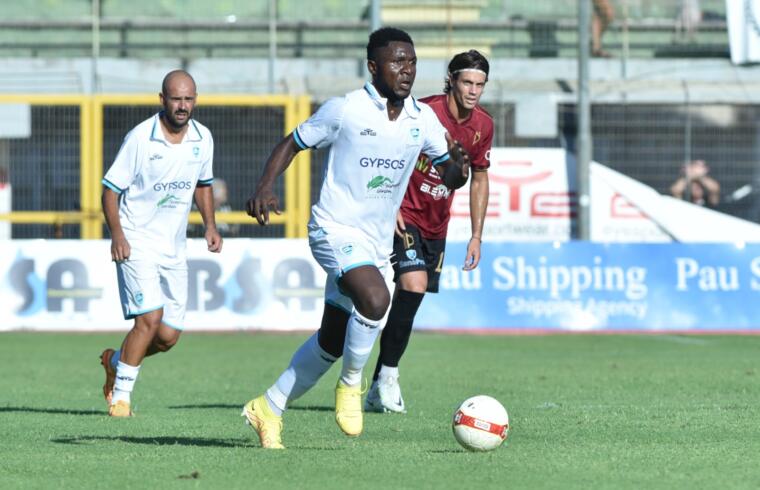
pixel 410 103
pixel 193 133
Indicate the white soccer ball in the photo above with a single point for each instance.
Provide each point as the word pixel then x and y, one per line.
pixel 480 423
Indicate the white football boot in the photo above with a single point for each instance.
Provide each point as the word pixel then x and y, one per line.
pixel 384 396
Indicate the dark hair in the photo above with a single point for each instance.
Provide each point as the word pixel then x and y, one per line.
pixel 172 74
pixel 469 59
pixel 383 37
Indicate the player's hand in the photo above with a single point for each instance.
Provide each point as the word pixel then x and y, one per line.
pixel 120 249
pixel 260 203
pixel 472 259
pixel 460 160
pixel 400 225
pixel 213 240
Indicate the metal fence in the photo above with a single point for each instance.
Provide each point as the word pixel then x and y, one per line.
pixel 651 142
pixel 55 172
pixel 56 186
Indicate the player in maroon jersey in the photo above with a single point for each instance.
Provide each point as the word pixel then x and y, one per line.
pixel 423 220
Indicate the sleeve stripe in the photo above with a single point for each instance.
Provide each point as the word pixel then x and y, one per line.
pixel 440 159
pixel 299 141
pixel 111 186
pixel 206 181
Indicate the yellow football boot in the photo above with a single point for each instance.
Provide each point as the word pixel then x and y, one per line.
pixel 120 409
pixel 348 409
pixel 266 424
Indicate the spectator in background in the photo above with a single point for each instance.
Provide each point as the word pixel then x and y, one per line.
pixel 221 204
pixel 687 20
pixel 602 18
pixel 696 185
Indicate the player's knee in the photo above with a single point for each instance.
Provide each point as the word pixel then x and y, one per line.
pixel 148 323
pixel 164 345
pixel 417 286
pixel 374 304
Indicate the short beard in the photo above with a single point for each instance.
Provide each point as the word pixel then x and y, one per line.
pixel 173 122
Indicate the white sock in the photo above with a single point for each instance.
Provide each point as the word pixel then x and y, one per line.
pixel 126 376
pixel 386 371
pixel 115 359
pixel 360 337
pixel 308 364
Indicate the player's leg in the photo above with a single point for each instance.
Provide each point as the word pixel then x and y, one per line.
pixel 133 351
pixel 311 361
pixel 385 392
pixel 173 280
pixel 308 364
pixel 366 287
pixel 141 299
pixel 417 270
pixel 410 276
pixel 164 340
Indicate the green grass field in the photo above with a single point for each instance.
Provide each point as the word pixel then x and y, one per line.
pixel 586 411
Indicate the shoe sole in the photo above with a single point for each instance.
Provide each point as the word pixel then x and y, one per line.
pixel 254 427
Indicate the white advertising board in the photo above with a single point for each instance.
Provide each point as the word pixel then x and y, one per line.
pixel 743 18
pixel 269 284
pixel 533 199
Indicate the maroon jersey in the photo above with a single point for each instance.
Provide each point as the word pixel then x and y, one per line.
pixel 427 200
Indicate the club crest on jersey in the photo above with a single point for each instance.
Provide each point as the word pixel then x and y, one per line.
pixel 196 151
pixel 347 249
pixel 415 132
pixel 476 138
pixel 411 254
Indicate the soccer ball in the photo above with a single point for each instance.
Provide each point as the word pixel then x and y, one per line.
pixel 480 423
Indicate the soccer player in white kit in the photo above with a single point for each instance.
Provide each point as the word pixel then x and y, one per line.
pixel 163 165
pixel 375 135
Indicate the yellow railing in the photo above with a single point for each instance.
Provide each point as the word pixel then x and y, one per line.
pixel 297 180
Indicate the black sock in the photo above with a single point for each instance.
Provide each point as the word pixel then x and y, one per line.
pixel 398 329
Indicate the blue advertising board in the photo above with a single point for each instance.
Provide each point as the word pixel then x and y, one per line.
pixel 581 286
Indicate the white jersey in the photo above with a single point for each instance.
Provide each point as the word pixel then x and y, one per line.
pixel 370 160
pixel 156 181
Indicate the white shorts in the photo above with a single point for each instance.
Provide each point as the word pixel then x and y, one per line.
pixel 146 286
pixel 337 251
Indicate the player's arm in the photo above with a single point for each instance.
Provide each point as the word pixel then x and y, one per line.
pixel 204 199
pixel 263 198
pixel 712 187
pixel 120 248
pixel 678 188
pixel 479 191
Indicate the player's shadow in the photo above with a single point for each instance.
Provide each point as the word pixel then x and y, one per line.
pixel 181 441
pixel 239 406
pixel 161 441
pixel 313 408
pixel 55 411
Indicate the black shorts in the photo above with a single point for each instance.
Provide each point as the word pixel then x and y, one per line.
pixel 415 253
